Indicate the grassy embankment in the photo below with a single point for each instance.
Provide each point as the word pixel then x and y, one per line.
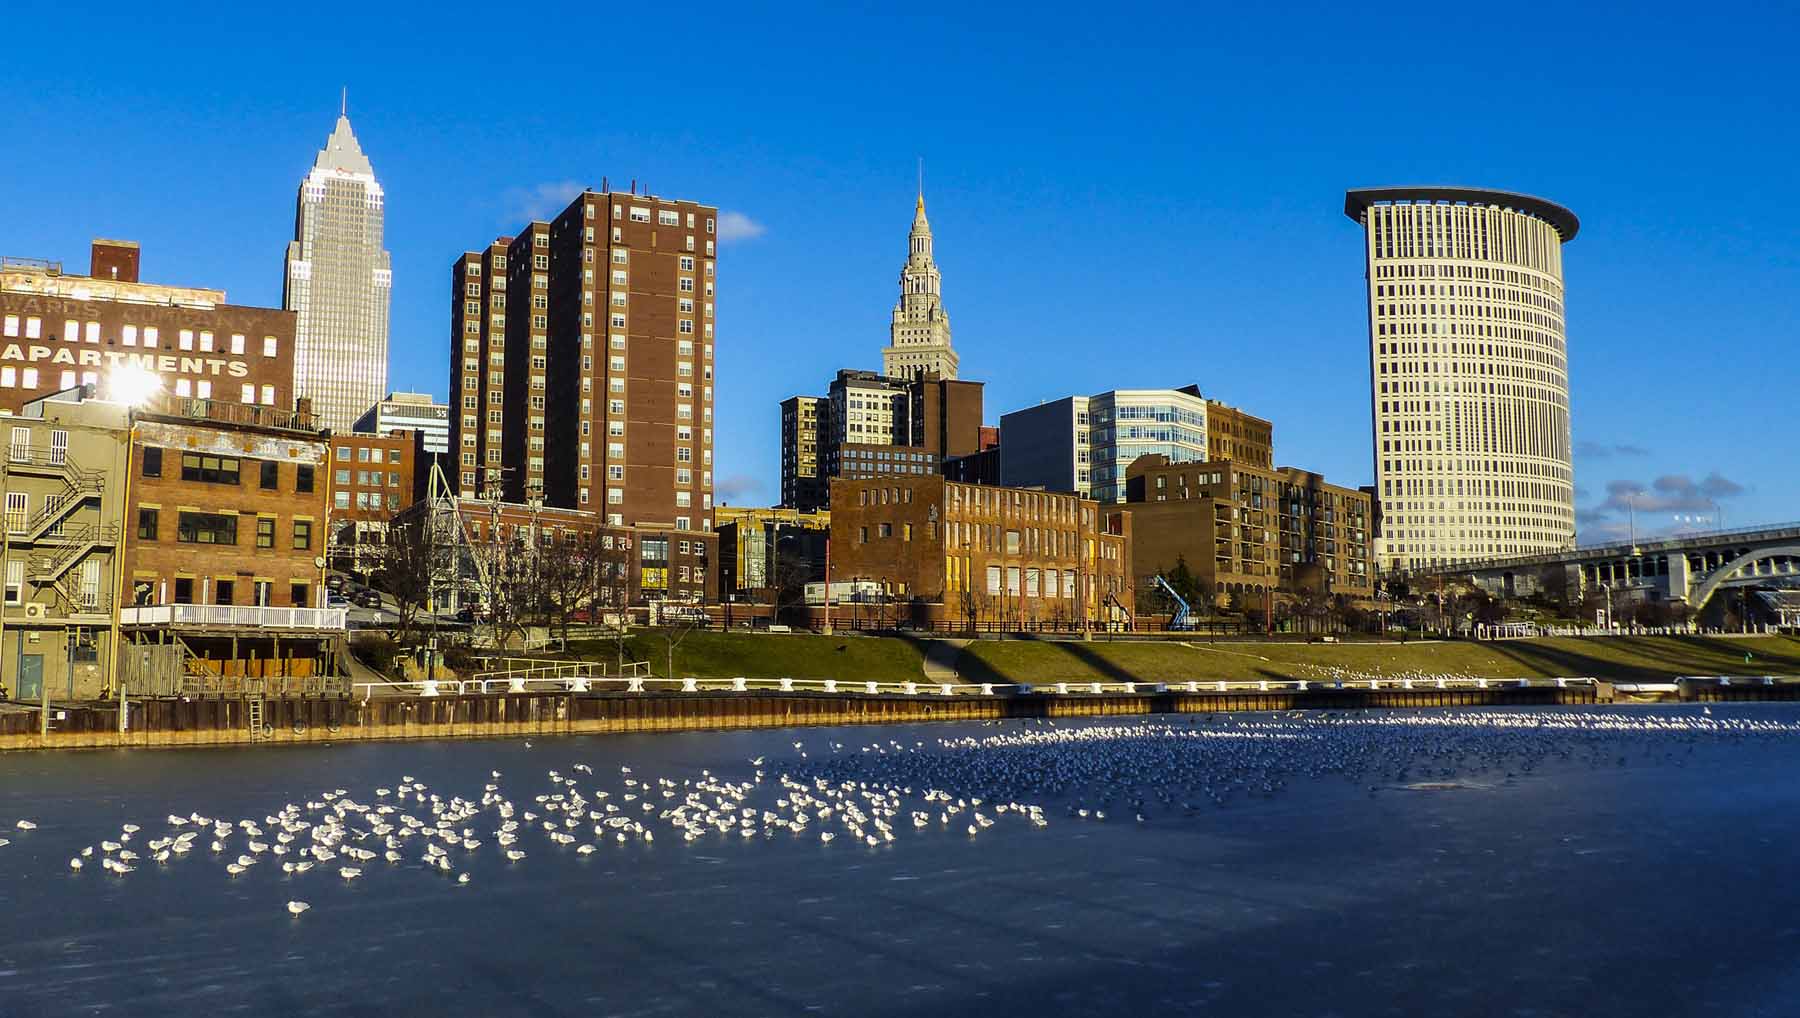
pixel 1611 658
pixel 755 655
pixel 768 656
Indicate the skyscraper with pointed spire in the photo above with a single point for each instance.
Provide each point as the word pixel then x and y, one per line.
pixel 919 338
pixel 339 283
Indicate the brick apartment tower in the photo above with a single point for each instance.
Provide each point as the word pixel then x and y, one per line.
pixel 583 361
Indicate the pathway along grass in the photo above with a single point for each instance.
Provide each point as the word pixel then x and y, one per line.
pixel 1647 658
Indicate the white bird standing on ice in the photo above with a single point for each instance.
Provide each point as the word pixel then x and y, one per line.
pixel 297 907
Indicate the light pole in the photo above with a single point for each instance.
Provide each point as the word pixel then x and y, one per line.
pixel 1631 515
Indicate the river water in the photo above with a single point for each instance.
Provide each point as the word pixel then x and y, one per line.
pixel 1408 864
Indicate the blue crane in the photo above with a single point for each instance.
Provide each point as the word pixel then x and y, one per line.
pixel 1183 616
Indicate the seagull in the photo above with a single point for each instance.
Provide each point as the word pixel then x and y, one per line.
pixel 26 825
pixel 297 907
pixel 75 864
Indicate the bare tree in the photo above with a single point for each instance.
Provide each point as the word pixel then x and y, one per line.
pixel 789 583
pixel 404 569
pixel 561 580
pixel 505 585
pixel 601 579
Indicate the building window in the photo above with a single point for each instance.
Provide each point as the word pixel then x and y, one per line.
pixel 147 520
pixel 152 461
pixel 302 535
pixel 265 532
pixel 207 528
pixel 303 478
pixel 15 581
pixel 184 590
pixel 209 469
pixel 271 475
pixel 297 594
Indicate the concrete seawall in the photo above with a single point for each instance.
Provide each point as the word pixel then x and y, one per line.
pixel 301 720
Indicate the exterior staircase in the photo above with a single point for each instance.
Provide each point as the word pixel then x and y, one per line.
pixel 78 486
pixel 52 566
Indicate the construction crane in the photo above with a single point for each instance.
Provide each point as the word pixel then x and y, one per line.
pixel 1183 619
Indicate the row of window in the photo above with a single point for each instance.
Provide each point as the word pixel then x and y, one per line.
pixel 220 528
pixel 29 378
pixel 207 468
pixel 149 337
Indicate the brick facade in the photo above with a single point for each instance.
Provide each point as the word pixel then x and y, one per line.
pixel 585 361
pixel 59 330
pixel 982 554
pixel 1246 531
pixel 225 511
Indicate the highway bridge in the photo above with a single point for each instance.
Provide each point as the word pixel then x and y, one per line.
pixel 1690 568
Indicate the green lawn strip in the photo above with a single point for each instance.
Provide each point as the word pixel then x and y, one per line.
pixel 767 656
pixel 1611 658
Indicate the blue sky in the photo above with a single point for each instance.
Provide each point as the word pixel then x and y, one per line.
pixel 1153 197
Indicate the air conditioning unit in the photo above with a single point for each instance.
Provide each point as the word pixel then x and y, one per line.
pixel 33 610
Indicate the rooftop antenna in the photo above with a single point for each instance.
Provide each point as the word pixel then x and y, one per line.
pixel 344 102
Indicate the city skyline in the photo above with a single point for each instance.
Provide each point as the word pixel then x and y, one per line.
pixel 1025 237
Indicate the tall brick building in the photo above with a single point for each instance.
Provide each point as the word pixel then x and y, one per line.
pixel 582 364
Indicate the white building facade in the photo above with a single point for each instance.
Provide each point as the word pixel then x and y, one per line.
pixel 339 283
pixel 414 411
pixel 1468 362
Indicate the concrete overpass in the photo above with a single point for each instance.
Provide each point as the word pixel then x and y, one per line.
pixel 1690 568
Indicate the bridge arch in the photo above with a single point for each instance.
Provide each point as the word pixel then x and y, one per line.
pixel 1720 576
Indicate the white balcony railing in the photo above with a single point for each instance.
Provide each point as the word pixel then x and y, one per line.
pixel 231 615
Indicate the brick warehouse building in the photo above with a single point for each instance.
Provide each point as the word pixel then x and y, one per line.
pixel 582 361
pixel 59 330
pixel 968 554
pixel 1246 531
pixel 227 507
pixel 224 545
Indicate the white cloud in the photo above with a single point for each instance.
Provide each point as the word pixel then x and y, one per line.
pixel 542 201
pixel 737 226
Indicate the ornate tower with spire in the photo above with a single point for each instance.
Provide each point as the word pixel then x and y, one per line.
pixel 919 338
pixel 338 282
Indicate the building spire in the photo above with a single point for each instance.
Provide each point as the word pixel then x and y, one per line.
pixel 921 207
pixel 344 102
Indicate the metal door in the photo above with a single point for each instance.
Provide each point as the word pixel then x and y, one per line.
pixel 31 678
